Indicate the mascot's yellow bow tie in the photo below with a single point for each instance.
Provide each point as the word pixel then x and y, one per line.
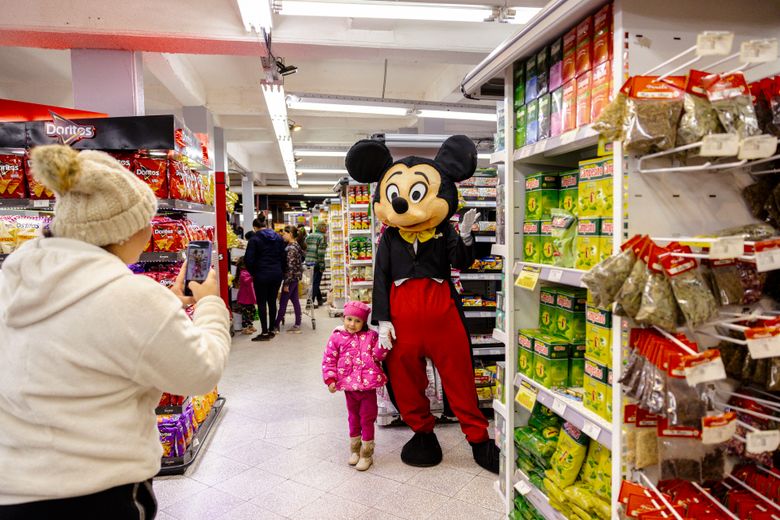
pixel 422 236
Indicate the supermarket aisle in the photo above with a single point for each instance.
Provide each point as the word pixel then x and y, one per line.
pixel 281 450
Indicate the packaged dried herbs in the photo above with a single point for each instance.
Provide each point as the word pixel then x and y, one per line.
pixel 684 407
pixel 733 357
pixel 759 198
pixel 726 281
pixel 691 291
pixel 749 231
pixel 605 279
pixel 731 99
pixel 652 112
pixel 680 453
pixel 610 123
pixel 658 306
pixel 629 298
pixel 699 118
pixel 753 282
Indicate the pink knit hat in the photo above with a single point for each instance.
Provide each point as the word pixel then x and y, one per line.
pixel 357 309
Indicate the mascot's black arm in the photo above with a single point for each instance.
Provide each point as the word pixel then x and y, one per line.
pixel 396 260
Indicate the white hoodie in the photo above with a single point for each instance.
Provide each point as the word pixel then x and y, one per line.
pixel 86 348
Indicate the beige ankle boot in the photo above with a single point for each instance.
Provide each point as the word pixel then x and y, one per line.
pixel 354 449
pixel 366 456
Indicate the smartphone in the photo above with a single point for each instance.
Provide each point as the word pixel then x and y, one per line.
pixel 198 263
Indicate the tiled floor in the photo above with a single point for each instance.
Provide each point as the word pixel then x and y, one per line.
pixel 280 451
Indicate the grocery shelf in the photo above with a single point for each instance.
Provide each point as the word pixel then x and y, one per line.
pixel 500 335
pixel 173 256
pixel 573 411
pixel 364 232
pixel 28 204
pixel 358 206
pixel 362 283
pixel 551 273
pixel 500 250
pixel 499 407
pixel 476 340
pixel 178 465
pixel 486 403
pixel 480 276
pixel 583 137
pixel 181 205
pixel 480 314
pixel 361 262
pixel 536 497
pixel 498 157
pixel 489 203
pixel 173 409
pixel 488 351
pixel 485 238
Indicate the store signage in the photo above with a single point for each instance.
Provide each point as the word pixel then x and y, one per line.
pixel 67 131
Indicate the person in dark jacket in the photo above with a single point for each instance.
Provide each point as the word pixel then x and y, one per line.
pixel 293 272
pixel 264 258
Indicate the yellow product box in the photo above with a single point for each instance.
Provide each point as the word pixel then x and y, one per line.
pixel 595 388
pixel 588 243
pixel 598 335
pixel 594 195
pixel 606 236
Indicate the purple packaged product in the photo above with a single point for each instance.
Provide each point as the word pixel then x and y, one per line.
pixel 556 64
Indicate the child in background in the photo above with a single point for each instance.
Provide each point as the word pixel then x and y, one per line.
pixel 245 301
pixel 352 362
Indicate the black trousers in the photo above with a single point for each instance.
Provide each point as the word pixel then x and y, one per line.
pixel 126 502
pixel 266 293
pixel 316 294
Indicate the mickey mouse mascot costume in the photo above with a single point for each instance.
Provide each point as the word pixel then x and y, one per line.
pixel 414 301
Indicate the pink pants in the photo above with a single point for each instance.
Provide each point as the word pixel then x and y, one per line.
pixel 362 409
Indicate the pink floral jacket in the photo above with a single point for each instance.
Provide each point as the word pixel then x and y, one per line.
pixel 353 361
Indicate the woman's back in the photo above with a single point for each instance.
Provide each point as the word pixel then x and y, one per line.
pixel 265 256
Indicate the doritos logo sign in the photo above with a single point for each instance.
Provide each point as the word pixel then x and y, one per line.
pixel 66 131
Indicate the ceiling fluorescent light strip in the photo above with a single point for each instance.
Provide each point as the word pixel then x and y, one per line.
pixel 387 10
pixel 256 15
pixel 277 109
pixel 299 104
pixel 452 114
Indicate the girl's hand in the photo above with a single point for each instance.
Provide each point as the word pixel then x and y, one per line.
pixel 178 287
pixel 332 388
pixel 285 288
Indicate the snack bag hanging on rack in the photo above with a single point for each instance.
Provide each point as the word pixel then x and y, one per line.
pixel 694 297
pixel 699 116
pixel 731 99
pixel 606 278
pixel 629 298
pixel 653 111
pixel 658 305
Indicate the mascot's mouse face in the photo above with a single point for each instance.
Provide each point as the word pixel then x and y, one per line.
pixel 413 194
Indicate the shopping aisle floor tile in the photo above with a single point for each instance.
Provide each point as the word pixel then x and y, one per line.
pixel 280 451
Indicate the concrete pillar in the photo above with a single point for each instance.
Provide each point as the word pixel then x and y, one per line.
pixel 108 81
pixel 248 201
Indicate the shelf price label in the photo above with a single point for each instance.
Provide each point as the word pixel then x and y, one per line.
pixel 559 407
pixel 757 147
pixel 767 255
pixel 526 395
pixel 523 487
pixel 41 203
pixel 762 441
pixel 528 277
pixel 719 145
pixel 555 275
pixel 758 51
pixel 591 430
pixel 727 247
pixel 704 367
pixel 714 43
pixel 717 429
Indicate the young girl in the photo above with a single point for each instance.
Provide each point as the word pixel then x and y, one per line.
pixel 245 301
pixel 352 362
pixel 293 272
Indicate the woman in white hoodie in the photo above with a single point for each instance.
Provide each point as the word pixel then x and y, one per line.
pixel 87 347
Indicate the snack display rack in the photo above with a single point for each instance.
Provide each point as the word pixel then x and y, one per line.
pixel 660 199
pixel 361 242
pixel 137 142
pixel 336 258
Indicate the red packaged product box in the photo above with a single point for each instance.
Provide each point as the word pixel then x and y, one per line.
pixel 583 99
pixel 126 159
pixel 569 71
pixel 12 185
pixel 600 91
pixel 168 236
pixel 153 172
pixel 37 191
pixel 569 106
pixel 177 180
pixel 602 35
pixel 584 55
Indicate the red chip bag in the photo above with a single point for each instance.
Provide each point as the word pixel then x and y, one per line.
pixel 12 184
pixel 153 172
pixel 177 180
pixel 164 236
pixel 126 159
pixel 37 190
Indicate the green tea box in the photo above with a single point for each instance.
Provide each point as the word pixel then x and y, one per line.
pixel 531 241
pixel 570 314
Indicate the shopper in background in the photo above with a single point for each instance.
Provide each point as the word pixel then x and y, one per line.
pixel 293 272
pixel 88 348
pixel 264 261
pixel 316 245
pixel 353 363
pixel 245 300
pixel 300 237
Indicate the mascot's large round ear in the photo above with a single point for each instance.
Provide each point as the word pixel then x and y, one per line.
pixel 367 160
pixel 457 158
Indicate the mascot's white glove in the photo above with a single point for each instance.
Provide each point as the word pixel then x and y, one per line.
pixel 469 219
pixel 386 332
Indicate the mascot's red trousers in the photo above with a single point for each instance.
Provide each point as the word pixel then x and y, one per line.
pixel 427 324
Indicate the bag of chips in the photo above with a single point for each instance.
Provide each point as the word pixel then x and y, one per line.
pixel 568 457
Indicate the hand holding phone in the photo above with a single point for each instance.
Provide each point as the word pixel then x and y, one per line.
pixel 198 263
